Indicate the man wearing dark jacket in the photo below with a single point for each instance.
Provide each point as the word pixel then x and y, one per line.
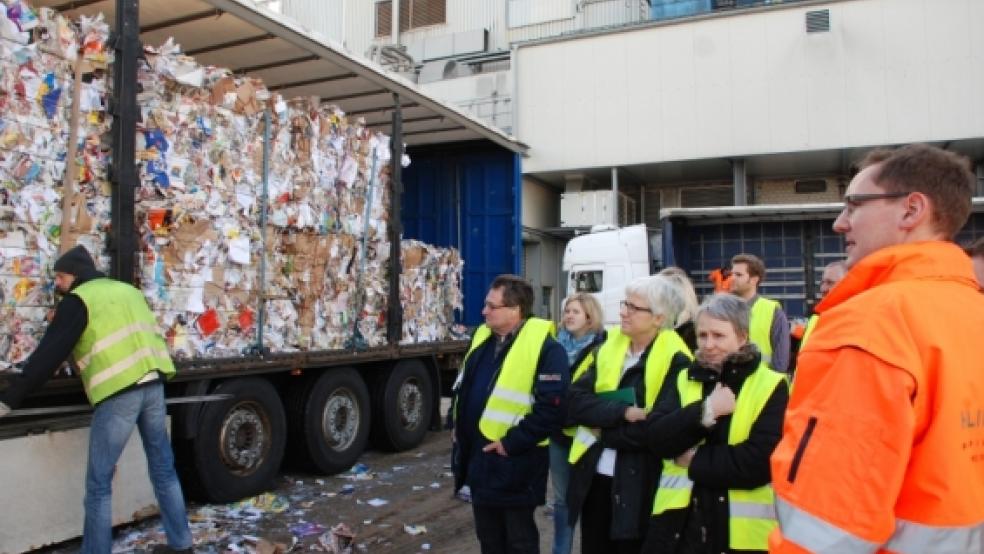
pixel 507 403
pixel 106 326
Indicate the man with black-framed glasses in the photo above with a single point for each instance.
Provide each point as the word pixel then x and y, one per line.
pixel 882 447
pixel 508 400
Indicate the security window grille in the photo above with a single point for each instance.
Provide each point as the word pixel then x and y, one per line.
pixel 818 21
pixel 414 14
pixel 810 186
pixel 704 197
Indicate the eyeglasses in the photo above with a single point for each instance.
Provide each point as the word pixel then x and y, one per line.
pixel 490 306
pixel 853 201
pixel 632 308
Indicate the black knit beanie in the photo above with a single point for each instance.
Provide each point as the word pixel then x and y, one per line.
pixel 76 261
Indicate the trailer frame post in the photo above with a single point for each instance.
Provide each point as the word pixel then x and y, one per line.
pixel 123 106
pixel 394 316
pixel 264 203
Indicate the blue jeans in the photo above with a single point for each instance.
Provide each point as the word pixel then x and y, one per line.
pixel 560 475
pixel 112 424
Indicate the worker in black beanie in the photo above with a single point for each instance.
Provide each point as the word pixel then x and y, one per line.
pixel 77 262
pixel 108 328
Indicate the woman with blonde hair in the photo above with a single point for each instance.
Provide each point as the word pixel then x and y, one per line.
pixel 685 321
pixel 581 329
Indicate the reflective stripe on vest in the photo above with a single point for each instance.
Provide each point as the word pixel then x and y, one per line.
pixel 120 343
pixel 581 369
pixel 816 535
pixel 608 373
pixel 752 515
pixel 918 538
pixel 810 324
pixel 512 396
pixel 760 326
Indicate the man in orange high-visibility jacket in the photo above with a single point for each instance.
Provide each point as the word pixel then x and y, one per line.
pixel 721 277
pixel 883 440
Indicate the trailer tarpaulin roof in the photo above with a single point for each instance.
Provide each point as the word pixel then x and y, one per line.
pixel 296 62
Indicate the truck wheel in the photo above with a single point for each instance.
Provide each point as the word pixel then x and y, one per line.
pixel 330 420
pixel 240 441
pixel 403 404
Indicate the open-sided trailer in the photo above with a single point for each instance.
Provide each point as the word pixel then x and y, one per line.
pixel 462 189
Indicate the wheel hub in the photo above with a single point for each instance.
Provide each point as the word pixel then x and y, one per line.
pixel 410 403
pixel 244 438
pixel 340 421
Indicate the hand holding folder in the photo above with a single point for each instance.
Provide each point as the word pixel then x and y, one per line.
pixel 625 395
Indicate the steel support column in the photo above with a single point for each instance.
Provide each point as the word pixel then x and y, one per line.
pixel 615 196
pixel 980 180
pixel 740 182
pixel 123 106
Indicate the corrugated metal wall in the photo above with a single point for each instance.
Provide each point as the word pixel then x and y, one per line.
pixel 321 17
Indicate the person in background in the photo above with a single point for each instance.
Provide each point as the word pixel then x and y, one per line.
pixel 721 278
pixel 883 447
pixel 613 477
pixel 507 402
pixel 768 326
pixel 684 325
pixel 581 330
pixel 832 274
pixel 976 253
pixel 716 426
pixel 107 327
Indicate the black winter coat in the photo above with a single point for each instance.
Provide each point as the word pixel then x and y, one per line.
pixel 636 469
pixel 716 467
pixel 519 479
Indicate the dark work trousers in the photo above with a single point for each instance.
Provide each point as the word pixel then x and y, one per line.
pixel 596 521
pixel 506 530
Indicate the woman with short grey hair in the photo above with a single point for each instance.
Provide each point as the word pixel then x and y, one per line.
pixel 729 308
pixel 715 428
pixel 613 478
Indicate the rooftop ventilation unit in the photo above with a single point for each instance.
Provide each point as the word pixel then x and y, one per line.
pixel 818 21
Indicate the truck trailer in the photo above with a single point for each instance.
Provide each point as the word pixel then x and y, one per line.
pixel 796 241
pixel 318 406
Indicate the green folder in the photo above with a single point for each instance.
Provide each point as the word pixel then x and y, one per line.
pixel 625 396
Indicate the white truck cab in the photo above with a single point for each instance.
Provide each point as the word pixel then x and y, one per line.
pixel 603 261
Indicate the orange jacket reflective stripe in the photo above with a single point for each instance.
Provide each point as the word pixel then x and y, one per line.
pixel 883 440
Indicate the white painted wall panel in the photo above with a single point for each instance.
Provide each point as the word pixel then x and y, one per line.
pixel 889 71
pixel 749 85
pixel 43 479
pixel 712 98
pixel 643 99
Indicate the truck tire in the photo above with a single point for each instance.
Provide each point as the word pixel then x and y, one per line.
pixel 402 406
pixel 240 442
pixel 329 419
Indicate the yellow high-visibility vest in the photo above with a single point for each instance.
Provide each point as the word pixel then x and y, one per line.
pixel 512 397
pixel 752 513
pixel 763 312
pixel 120 343
pixel 608 373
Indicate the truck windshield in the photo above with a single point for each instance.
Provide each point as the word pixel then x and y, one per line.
pixel 587 281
